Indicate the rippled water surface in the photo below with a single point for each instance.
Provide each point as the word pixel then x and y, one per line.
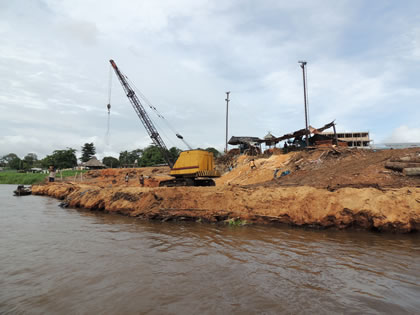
pixel 66 261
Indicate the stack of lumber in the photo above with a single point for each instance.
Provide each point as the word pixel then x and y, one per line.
pixel 409 165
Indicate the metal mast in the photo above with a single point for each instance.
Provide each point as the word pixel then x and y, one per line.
pixel 138 107
pixel 303 66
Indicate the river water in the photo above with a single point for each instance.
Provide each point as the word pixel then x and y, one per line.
pixel 68 261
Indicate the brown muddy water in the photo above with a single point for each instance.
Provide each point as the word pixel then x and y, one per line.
pixel 68 261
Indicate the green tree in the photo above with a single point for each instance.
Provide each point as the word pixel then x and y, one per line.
pixel 88 150
pixel 30 159
pixel 174 153
pixel 5 159
pixel 127 158
pixel 151 156
pixel 61 159
pixel 110 161
pixel 215 152
pixel 15 163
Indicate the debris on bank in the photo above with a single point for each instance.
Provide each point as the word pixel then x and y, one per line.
pixel 21 190
pixel 408 165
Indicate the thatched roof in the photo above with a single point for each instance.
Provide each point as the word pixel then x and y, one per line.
pixel 269 136
pixel 94 162
pixel 242 140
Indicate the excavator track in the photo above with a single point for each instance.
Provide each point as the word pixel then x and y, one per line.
pixel 180 182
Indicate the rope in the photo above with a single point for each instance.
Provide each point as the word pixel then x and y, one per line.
pixel 109 84
pixel 108 124
pixel 158 114
pixel 107 129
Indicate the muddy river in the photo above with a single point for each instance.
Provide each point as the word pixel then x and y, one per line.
pixel 67 261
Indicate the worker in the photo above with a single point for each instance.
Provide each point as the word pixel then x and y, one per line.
pixel 252 164
pixel 286 147
pixel 51 176
pixel 126 179
pixel 141 180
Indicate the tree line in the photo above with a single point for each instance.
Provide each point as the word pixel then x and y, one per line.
pixel 66 158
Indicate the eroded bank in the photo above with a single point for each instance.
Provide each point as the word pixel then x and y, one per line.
pixel 395 210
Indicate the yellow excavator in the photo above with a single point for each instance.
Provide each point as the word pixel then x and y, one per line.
pixel 193 167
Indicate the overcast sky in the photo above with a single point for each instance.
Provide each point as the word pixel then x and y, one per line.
pixel 183 55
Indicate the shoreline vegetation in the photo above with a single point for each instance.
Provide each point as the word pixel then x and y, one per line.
pixel 12 177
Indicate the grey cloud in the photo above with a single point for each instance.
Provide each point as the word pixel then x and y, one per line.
pixel 183 56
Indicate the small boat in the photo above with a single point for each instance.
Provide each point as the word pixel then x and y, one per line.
pixel 21 190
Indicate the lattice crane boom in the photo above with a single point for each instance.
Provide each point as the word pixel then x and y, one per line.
pixel 141 112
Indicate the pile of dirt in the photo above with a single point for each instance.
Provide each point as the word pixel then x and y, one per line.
pixel 329 168
pixel 116 176
pixel 333 169
pixel 243 174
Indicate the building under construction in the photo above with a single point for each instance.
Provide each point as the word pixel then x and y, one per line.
pixel 353 139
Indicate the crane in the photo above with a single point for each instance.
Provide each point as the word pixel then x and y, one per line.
pixel 141 112
pixel 193 167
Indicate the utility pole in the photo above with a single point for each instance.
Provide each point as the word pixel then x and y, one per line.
pixel 303 66
pixel 227 115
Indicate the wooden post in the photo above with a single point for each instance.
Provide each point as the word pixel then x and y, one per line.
pixel 335 135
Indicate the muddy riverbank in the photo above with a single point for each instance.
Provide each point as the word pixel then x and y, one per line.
pixel 395 210
pixel 324 188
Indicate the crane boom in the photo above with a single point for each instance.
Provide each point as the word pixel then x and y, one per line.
pixel 141 112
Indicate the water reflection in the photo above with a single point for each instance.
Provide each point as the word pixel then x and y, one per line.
pixel 57 260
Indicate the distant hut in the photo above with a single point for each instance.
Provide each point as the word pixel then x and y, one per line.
pixel 270 140
pixel 94 163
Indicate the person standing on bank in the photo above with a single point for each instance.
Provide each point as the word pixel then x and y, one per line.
pixel 252 165
pixel 51 176
pixel 126 179
pixel 141 180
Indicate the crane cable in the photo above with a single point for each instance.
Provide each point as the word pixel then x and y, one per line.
pixel 109 87
pixel 109 106
pixel 154 109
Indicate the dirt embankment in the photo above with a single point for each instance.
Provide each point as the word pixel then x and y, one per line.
pixel 368 208
pixel 325 188
pixel 323 168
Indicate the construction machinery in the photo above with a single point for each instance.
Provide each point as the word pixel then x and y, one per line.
pixel 193 167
